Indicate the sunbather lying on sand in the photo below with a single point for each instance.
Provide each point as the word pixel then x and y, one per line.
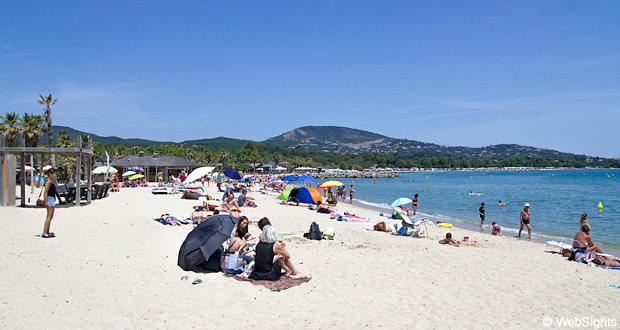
pixel 607 262
pixel 170 220
pixel 449 240
pixel 295 203
pixel 322 208
pixel 382 226
pixel 197 216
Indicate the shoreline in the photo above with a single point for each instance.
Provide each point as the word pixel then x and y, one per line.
pixel 536 238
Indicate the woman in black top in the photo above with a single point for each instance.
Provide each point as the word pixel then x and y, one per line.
pixel 49 199
pixel 271 257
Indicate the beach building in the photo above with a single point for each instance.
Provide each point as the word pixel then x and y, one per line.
pixel 169 165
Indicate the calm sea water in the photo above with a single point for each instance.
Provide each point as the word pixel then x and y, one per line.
pixel 557 199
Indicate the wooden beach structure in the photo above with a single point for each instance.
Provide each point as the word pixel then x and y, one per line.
pixel 158 163
pixel 8 168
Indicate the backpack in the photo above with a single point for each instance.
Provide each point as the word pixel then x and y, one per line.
pixel 314 232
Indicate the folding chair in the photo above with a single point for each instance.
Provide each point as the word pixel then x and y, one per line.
pixel 414 225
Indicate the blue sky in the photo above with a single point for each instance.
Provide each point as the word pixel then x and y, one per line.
pixel 457 73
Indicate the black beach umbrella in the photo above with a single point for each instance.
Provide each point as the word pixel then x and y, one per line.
pixel 205 239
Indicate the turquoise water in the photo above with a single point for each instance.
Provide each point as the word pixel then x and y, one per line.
pixel 557 199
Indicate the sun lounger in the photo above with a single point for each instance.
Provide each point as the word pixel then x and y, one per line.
pixel 414 224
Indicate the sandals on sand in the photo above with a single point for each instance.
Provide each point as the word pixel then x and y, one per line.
pixel 50 235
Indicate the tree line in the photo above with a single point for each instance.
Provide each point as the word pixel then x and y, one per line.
pixel 32 126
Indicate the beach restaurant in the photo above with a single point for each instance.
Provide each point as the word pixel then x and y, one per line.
pixel 151 165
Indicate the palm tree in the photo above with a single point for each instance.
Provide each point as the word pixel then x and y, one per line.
pixel 30 129
pixel 85 138
pixel 64 139
pixel 47 116
pixel 10 127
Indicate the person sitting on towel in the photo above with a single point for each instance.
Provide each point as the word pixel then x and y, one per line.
pixel 583 240
pixel 239 244
pixel 242 200
pixel 271 257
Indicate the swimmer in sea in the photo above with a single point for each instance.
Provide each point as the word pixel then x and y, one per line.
pixel 500 203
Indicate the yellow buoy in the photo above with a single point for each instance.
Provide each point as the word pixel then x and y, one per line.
pixel 600 206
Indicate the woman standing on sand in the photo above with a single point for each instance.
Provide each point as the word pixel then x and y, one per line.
pixel 49 200
pixel 160 179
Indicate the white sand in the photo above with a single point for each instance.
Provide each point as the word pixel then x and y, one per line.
pixel 111 266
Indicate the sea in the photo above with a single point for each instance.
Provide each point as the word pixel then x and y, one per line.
pixel 557 199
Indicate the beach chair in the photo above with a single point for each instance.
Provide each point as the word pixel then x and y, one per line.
pixel 62 192
pixel 414 225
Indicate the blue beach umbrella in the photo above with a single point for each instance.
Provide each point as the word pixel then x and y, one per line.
pixel 232 174
pixel 306 178
pixel 400 201
pixel 289 178
pixel 128 173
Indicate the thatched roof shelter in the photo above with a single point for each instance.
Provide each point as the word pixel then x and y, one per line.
pixel 159 161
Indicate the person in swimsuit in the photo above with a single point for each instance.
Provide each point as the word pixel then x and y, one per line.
pixel 351 193
pixel 584 219
pixel 583 240
pixel 414 203
pixel 197 216
pixel 482 213
pixel 500 203
pixel 496 229
pixel 160 179
pixel 49 201
pixel 525 220
pixel 607 262
pixel 449 240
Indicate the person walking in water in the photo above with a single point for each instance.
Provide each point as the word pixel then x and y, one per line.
pixel 525 220
pixel 482 214
pixel 351 193
pixel 414 203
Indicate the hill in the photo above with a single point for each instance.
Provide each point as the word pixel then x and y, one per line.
pixel 339 140
pixel 102 139
pixel 347 140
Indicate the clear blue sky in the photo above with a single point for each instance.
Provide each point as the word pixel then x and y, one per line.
pixel 457 73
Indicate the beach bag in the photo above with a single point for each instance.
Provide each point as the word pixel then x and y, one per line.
pixel 329 233
pixel 232 261
pixel 40 202
pixel 314 232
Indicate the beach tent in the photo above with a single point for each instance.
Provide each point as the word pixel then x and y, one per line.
pixel 204 240
pixel 284 195
pixel 305 195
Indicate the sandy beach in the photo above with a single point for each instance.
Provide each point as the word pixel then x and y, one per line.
pixel 112 267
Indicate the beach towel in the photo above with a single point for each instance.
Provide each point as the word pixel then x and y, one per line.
pixel 282 284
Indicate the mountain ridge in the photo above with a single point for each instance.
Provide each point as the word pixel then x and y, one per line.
pixel 340 139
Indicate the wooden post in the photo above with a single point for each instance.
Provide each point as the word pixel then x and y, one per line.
pixel 22 143
pixel 90 175
pixel 78 171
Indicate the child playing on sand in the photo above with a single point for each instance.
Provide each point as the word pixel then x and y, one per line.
pixel 496 229
pixel 449 240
